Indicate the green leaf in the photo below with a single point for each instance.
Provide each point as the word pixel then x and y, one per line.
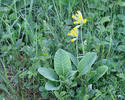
pixel 121 48
pixel 3 88
pixel 62 63
pixel 85 64
pixel 63 93
pixel 121 17
pixel 52 86
pixel 90 75
pixel 121 75
pixel 48 73
pixel 100 71
pixel 105 19
pixel 121 4
pixel 73 59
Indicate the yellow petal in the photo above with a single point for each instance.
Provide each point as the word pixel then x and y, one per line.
pixel 73 16
pixel 76 14
pixel 72 40
pixel 78 11
pixel 68 34
pixel 75 28
pixel 72 31
pixel 78 21
pixel 74 22
pixel 80 17
pixel 85 20
pixel 75 34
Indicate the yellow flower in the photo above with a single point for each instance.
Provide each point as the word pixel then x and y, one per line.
pixel 74 39
pixel 78 18
pixel 78 11
pixel 75 28
pixel 74 32
pixel 78 21
pixel 76 14
pixel 85 20
pixel 74 22
pixel 73 16
pixel 68 34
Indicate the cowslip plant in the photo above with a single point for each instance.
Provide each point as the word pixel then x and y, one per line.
pixel 70 80
pixel 66 81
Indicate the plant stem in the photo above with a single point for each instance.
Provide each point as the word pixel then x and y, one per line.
pixel 82 42
pixel 77 50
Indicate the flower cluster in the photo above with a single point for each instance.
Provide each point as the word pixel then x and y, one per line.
pixel 74 33
pixel 78 20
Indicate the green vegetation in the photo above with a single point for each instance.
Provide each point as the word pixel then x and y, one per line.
pixel 44 56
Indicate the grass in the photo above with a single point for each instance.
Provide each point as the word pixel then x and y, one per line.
pixel 31 31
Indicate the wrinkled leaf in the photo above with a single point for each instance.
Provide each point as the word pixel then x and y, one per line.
pixel 100 71
pixel 52 86
pixel 73 59
pixel 48 73
pixel 85 64
pixel 62 63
